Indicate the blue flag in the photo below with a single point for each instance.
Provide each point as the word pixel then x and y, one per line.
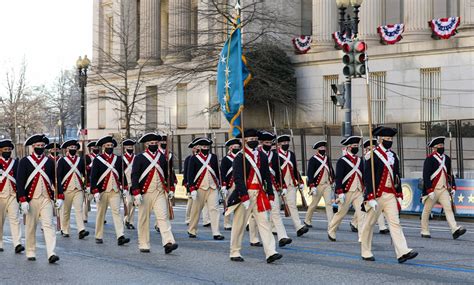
pixel 232 75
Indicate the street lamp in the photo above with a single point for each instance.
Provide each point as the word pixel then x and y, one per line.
pixel 82 65
pixel 348 29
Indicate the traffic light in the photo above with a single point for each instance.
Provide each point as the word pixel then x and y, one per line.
pixel 354 58
pixel 338 96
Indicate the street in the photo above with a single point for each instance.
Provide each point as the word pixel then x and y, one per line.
pixel 309 259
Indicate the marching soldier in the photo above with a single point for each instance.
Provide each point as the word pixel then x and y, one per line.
pixel 349 185
pixel 93 152
pixel 228 186
pixel 386 198
pixel 35 192
pixel 106 184
pixel 70 172
pixel 253 194
pixel 291 178
pixel 203 179
pixel 380 220
pixel 128 157
pixel 320 179
pixel 9 207
pixel 440 186
pixel 266 141
pixel 151 193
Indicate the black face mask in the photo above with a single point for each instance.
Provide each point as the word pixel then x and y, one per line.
pixel 96 151
pixel 387 144
pixel 6 154
pixel 252 144
pixel 72 152
pixel 39 150
pixel 354 150
pixel 440 150
pixel 153 148
pixel 109 150
pixel 266 147
pixel 205 151
pixel 163 146
pixel 235 150
pixel 130 151
pixel 285 147
pixel 322 152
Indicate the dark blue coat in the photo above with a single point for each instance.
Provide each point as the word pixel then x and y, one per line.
pixel 98 168
pixel 140 164
pixel 25 168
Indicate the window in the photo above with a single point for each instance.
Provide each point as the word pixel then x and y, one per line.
pixel 306 17
pixel 377 96
pixel 430 93
pixel 110 35
pixel 151 115
pixel 182 105
pixel 101 111
pixel 329 109
pixel 214 112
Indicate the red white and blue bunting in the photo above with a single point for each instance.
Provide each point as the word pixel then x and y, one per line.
pixel 302 44
pixel 444 28
pixel 340 39
pixel 391 34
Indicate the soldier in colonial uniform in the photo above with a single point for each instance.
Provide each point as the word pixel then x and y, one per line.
pixel 349 185
pixel 9 207
pixel 203 180
pixel 266 141
pixel 380 220
pixel 151 193
pixel 54 150
pixel 93 152
pixel 128 157
pixel 320 179
pixel 35 193
pixel 386 198
pixel 228 186
pixel 253 194
pixel 70 172
pixel 291 179
pixel 439 185
pixel 106 185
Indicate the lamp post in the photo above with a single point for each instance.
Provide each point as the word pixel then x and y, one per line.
pixel 348 27
pixel 82 65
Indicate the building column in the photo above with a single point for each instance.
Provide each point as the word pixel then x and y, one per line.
pixel 179 30
pixel 98 37
pixel 466 11
pixel 371 16
pixel 150 33
pixel 325 18
pixel 417 13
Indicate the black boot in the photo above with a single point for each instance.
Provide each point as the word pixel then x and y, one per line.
pixel 122 240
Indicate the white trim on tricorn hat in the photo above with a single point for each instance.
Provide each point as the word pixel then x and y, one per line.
pixel 106 139
pixel 232 142
pixel 351 140
pixel 265 136
pixel 128 142
pixel 203 141
pixel 6 143
pixel 320 144
pixel 283 138
pixel 436 140
pixel 367 143
pixel 69 143
pixel 36 138
pixel 149 137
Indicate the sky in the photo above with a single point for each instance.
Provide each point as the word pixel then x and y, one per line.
pixel 49 34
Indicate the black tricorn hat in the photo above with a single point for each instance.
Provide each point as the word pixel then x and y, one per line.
pixel 382 131
pixel 6 143
pixel 53 145
pixel 248 133
pixel 320 144
pixel 367 143
pixel 283 138
pixel 129 142
pixel 232 142
pixel 436 141
pixel 106 139
pixel 265 136
pixel 91 144
pixel 69 143
pixel 203 141
pixel 351 140
pixel 36 138
pixel 149 137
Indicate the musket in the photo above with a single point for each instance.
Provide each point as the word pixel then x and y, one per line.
pixel 369 111
pixel 84 179
pixel 122 178
pixel 168 180
pixel 453 206
pixel 58 218
pixel 222 199
pixel 283 198
pixel 303 199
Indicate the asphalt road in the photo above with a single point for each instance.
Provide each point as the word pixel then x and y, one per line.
pixel 309 259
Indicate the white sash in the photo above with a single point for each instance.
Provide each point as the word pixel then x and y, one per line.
pixel 6 174
pixel 255 168
pixel 72 170
pixel 38 169
pixel 205 165
pixel 385 161
pixel 128 165
pixel 355 169
pixel 323 165
pixel 286 160
pixel 270 156
pixel 153 165
pixel 110 168
pixel 442 166
pixel 231 168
